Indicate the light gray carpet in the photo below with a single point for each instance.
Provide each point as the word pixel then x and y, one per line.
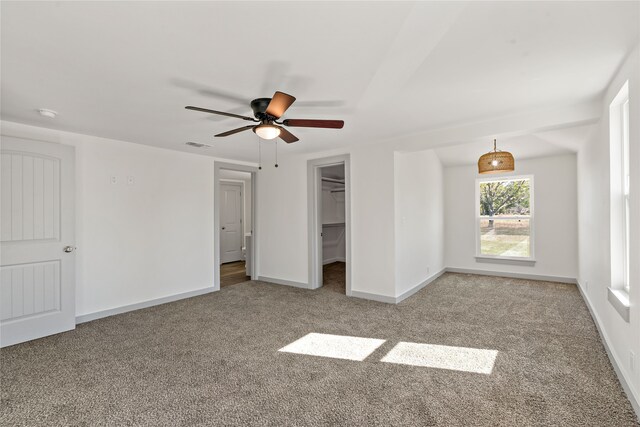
pixel 214 360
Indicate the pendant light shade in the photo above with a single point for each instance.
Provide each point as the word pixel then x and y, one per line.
pixel 496 161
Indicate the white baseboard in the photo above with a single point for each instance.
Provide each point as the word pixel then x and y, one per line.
pixel 540 277
pixel 419 286
pixel 627 386
pixel 284 282
pixel 373 297
pixel 336 259
pixel 401 297
pixel 140 305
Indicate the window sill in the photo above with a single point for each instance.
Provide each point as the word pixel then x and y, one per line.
pixel 619 299
pixel 529 262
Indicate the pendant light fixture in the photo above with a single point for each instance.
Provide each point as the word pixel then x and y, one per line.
pixel 496 161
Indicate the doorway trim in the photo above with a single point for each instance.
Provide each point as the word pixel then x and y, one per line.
pixel 218 166
pixel 314 192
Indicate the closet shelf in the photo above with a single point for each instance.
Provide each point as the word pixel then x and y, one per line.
pixel 333 224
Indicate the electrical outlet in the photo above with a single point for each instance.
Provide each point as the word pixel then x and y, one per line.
pixel 113 179
pixel 632 361
pixel 131 180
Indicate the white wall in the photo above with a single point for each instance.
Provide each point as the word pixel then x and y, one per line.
pixel 332 206
pixel 419 222
pixel 372 211
pixel 283 219
pixel 376 174
pixel 333 244
pixel 594 230
pixel 333 229
pixel 333 220
pixel 555 235
pixel 136 242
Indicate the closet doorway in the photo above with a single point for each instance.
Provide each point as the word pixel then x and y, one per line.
pixel 330 225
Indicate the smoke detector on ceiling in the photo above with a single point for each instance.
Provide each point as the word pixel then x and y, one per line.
pixel 47 113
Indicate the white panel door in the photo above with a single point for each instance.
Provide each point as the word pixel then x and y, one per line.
pixel 37 276
pixel 230 222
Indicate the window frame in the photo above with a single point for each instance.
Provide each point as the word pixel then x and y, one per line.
pixel 626 184
pixel 530 217
pixel 619 201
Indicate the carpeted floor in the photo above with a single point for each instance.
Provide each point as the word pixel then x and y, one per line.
pixel 214 360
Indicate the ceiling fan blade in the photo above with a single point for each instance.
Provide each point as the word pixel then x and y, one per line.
pixel 287 136
pixel 222 113
pixel 279 104
pixel 309 123
pixel 231 132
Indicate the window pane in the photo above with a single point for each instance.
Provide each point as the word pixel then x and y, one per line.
pixel 505 198
pixel 505 237
pixel 626 191
pixel 627 244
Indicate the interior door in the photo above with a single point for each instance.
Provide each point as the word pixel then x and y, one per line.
pixel 231 222
pixel 37 238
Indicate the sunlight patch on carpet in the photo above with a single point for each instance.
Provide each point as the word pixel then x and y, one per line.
pixel 335 346
pixel 443 357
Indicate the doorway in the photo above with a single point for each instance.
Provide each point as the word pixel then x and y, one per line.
pixel 330 227
pixel 234 229
pixel 332 211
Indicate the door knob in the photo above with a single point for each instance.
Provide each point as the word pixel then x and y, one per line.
pixel 223 228
pixel 68 249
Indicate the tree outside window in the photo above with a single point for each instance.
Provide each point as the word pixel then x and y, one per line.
pixel 505 218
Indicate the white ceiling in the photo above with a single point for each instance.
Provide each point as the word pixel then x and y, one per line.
pixel 125 70
pixel 539 144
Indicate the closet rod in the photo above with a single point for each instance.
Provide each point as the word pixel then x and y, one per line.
pixel 338 181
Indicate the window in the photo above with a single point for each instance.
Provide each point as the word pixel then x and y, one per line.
pixel 620 189
pixel 505 218
pixel 625 192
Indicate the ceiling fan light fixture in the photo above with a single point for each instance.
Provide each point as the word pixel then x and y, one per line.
pixel 496 161
pixel 267 131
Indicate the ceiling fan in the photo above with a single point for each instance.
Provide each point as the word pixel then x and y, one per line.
pixel 266 112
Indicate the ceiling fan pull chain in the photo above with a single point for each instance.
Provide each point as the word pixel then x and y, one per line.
pixel 276 153
pixel 259 155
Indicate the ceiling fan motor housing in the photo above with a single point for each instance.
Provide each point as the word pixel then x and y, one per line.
pixel 259 107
